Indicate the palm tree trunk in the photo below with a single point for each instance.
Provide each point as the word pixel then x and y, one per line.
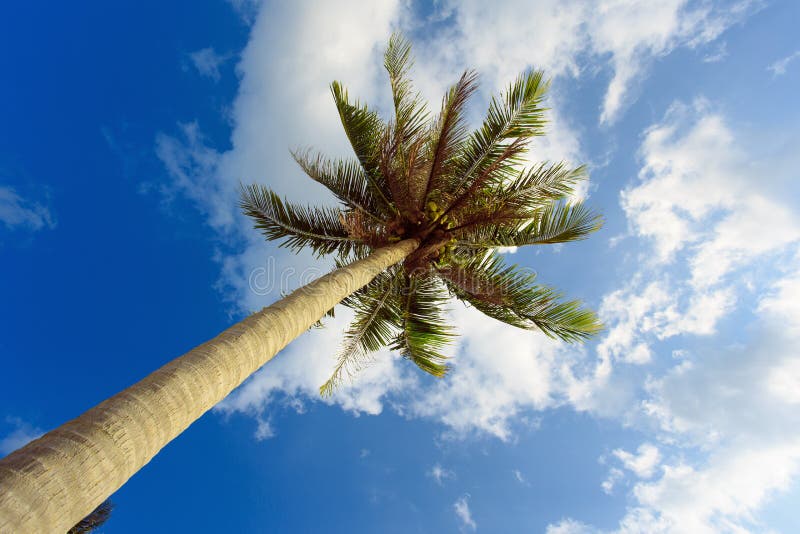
pixel 53 482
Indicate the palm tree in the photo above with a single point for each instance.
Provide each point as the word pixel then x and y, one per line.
pixel 425 204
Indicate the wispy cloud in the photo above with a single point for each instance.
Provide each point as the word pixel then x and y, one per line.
pixel 519 477
pixel 440 474
pixel 207 61
pixel 778 68
pixel 19 213
pixel 643 464
pixel 614 476
pixel 717 55
pixel 461 507
pixel 570 526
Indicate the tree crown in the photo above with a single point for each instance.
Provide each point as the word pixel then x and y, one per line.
pixel 461 194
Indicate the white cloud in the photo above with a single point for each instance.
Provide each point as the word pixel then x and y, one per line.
pixel 782 301
pixel 644 463
pixel 697 194
pixel 630 312
pixel 207 61
pixel 483 395
pixel 699 206
pixel 247 9
pixel 703 311
pixel 736 404
pixel 636 32
pixel 192 165
pixel 519 477
pixel 440 474
pixel 570 526
pixel 21 434
pixel 733 391
pixel 728 412
pixel 626 35
pixel 614 476
pixel 717 55
pixel 486 394
pixel 264 429
pixel 633 33
pixel 732 398
pixel 297 372
pixel 461 507
pixel 778 67
pixel 640 313
pixel 723 494
pixel 733 416
pixel 17 212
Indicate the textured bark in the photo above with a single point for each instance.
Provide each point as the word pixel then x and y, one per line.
pixel 53 482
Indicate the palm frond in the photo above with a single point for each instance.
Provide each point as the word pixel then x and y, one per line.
pixel 410 110
pixel 417 171
pixel 523 303
pixel 424 330
pixel 535 187
pixel 400 154
pixel 450 130
pixel 560 223
pixel 556 223
pixel 344 178
pixel 364 129
pixel 543 183
pixel 374 325
pixel 517 115
pixel 498 170
pixel 318 228
pixel 393 166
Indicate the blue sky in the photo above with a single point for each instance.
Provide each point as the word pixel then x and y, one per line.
pixel 127 127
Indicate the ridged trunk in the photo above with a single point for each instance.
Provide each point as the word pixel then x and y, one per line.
pixel 55 481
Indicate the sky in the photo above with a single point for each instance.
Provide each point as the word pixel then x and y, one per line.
pixel 127 128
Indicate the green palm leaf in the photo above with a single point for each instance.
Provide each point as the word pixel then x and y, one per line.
pixel 373 327
pixel 518 115
pixel 556 223
pixel 364 129
pixel 424 331
pixel 410 110
pixel 344 178
pixel 542 183
pixel 449 132
pixel 315 227
pixel 510 295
